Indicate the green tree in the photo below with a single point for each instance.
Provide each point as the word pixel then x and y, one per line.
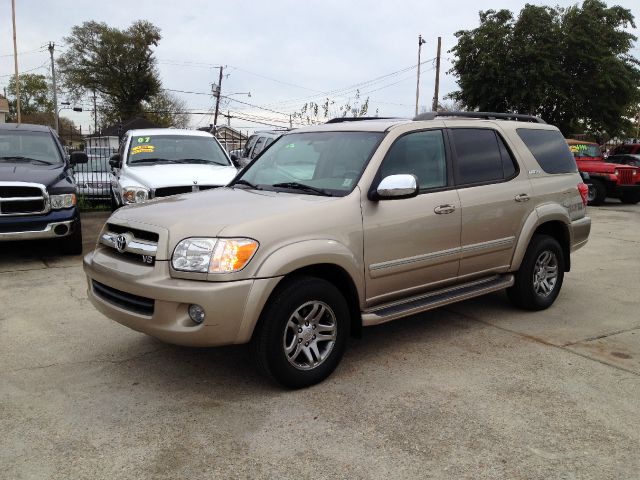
pixel 116 64
pixel 35 95
pixel 166 110
pixel 571 66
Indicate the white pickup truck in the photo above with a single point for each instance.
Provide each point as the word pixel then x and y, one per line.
pixel 159 162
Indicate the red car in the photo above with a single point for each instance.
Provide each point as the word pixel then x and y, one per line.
pixel 605 179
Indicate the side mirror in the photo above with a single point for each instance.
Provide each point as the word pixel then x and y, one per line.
pixel 78 157
pixel 234 157
pixel 115 161
pixel 395 187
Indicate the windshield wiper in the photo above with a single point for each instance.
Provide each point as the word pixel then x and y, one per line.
pixel 153 160
pixel 26 159
pixel 302 186
pixel 200 160
pixel 242 181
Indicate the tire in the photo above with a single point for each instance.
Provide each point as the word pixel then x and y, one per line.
pixel 528 292
pixel 282 336
pixel 630 198
pixel 72 245
pixel 597 193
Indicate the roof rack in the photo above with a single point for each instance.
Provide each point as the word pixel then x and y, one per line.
pixel 485 115
pixel 359 119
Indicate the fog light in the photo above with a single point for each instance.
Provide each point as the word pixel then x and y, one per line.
pixel 196 313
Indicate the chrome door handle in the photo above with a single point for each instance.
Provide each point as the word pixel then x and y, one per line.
pixel 444 209
pixel 523 197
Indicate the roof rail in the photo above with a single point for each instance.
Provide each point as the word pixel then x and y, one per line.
pixel 485 115
pixel 359 119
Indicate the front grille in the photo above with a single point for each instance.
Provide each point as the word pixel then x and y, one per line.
pixel 19 191
pixel 18 198
pixel 625 176
pixel 140 234
pixel 167 191
pixel 128 301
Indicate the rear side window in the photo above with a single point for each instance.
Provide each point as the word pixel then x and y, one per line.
pixel 481 156
pixel 550 150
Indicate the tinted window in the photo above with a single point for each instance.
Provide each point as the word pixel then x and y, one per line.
pixel 26 145
pixel 258 148
pixel 550 150
pixel 421 154
pixel 478 155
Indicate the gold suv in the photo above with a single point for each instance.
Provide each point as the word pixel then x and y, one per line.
pixel 344 225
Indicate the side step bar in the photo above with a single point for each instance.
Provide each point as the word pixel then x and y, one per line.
pixel 438 298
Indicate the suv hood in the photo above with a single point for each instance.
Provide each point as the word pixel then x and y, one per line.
pixel 173 175
pixel 227 211
pixel 28 172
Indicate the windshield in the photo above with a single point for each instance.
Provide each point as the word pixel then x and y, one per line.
pixel 585 150
pixel 38 147
pixel 149 149
pixel 330 163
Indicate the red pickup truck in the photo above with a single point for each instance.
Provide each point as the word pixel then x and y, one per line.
pixel 605 179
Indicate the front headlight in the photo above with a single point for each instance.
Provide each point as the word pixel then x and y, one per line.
pixel 135 194
pixel 213 255
pixel 66 200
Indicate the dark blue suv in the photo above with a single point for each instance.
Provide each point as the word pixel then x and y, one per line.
pixel 37 188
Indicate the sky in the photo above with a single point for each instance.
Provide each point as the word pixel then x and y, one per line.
pixel 284 52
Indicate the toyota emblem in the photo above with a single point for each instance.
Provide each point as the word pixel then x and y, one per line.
pixel 121 243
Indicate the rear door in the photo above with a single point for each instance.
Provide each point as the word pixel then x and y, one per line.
pixel 494 197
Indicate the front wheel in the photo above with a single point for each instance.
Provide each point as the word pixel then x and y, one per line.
pixel 302 332
pixel 538 282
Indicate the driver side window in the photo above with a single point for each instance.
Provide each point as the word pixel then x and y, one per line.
pixel 421 154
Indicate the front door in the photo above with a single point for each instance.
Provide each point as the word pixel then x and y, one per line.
pixel 412 245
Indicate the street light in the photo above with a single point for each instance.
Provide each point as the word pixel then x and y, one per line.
pixel 75 109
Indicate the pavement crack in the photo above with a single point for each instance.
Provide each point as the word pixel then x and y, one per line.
pixel 598 337
pixel 535 339
pixel 82 362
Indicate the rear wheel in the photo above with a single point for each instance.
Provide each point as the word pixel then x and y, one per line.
pixel 302 332
pixel 597 193
pixel 630 197
pixel 538 282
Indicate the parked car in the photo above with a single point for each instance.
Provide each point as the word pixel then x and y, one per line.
pixel 345 225
pixel 626 148
pixel 625 159
pixel 37 189
pixel 155 163
pixel 606 178
pixel 256 143
pixel 94 178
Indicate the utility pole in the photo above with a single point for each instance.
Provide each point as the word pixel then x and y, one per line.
pixel 95 114
pixel 290 121
pixel 55 90
pixel 228 118
pixel 15 59
pixel 434 107
pixel 421 42
pixel 216 93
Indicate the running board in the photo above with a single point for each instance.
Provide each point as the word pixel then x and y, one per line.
pixel 438 298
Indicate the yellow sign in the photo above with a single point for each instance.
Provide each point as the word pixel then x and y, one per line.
pixel 142 149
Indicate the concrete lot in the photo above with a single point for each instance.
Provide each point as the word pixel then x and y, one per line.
pixel 477 390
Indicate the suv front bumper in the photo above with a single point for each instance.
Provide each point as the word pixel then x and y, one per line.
pixel 55 224
pixel 231 308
